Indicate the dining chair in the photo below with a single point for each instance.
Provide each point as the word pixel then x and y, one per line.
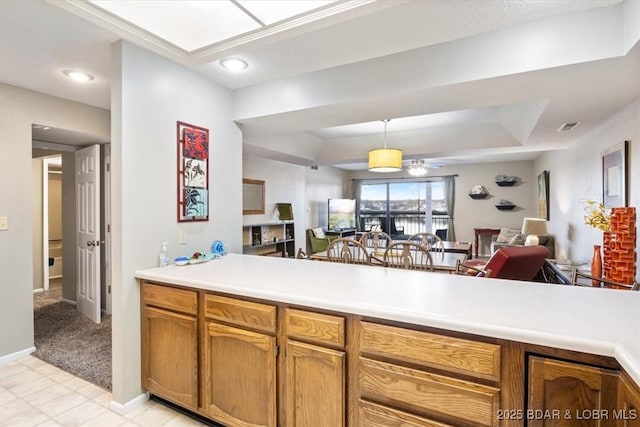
pixel 348 251
pixel 377 241
pixel 585 279
pixel 408 256
pixel 431 241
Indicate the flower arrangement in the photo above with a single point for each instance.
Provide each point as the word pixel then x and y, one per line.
pixel 597 216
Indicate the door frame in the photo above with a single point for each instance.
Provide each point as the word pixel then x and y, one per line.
pixel 106 169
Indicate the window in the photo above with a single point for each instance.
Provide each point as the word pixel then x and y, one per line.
pixel 403 208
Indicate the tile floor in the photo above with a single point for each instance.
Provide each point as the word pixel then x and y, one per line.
pixel 34 393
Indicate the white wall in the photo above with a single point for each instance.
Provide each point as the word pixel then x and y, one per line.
pixel 470 213
pixel 149 95
pixel 306 189
pixel 576 176
pixel 19 109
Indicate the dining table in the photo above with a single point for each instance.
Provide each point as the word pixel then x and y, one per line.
pixel 442 261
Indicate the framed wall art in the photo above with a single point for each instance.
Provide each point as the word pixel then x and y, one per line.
pixel 252 197
pixel 614 176
pixel 193 172
pixel 543 195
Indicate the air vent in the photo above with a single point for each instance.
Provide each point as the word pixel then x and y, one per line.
pixel 568 126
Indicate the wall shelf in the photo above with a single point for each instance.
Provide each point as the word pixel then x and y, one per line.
pixel 272 239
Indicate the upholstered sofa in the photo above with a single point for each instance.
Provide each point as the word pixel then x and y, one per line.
pixel 547 241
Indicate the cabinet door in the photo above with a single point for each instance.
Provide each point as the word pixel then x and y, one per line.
pixel 239 376
pixel 315 389
pixel 628 410
pixel 170 356
pixel 571 394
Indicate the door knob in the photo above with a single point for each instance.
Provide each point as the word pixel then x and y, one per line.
pixel 90 243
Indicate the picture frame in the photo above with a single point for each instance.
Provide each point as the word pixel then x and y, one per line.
pixel 615 176
pixel 252 197
pixel 543 195
pixel 192 172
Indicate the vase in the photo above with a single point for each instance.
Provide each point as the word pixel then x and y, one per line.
pixel 596 265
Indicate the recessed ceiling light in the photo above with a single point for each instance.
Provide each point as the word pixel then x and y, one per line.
pixel 78 76
pixel 233 64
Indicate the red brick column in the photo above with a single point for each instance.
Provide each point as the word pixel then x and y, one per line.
pixel 620 246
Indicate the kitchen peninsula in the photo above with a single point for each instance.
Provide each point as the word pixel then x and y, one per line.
pixel 336 344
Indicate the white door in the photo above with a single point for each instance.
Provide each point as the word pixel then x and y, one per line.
pixel 88 231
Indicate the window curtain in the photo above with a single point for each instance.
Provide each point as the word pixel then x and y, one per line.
pixel 357 186
pixel 450 197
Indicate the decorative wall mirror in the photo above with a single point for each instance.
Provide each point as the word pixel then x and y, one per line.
pixel 252 197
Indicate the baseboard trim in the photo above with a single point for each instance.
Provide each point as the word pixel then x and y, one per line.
pixel 38 290
pixel 69 301
pixel 122 409
pixel 16 355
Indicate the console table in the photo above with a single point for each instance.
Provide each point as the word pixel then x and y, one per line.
pixel 483 231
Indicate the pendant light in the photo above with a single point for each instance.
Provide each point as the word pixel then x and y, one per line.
pixel 385 159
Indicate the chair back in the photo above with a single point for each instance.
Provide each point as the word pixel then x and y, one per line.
pixel 431 241
pixel 517 262
pixel 408 256
pixel 347 251
pixel 376 240
pixel 584 279
pixel 442 233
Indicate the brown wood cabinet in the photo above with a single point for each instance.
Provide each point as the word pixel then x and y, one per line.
pixel 217 355
pixel 239 361
pixel 428 375
pixel 570 394
pixel 239 376
pixel 628 402
pixel 170 344
pixel 315 388
pixel 315 369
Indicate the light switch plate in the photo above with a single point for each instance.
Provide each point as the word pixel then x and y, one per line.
pixel 182 238
pixel 4 223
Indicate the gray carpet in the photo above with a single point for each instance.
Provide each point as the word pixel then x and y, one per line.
pixel 72 342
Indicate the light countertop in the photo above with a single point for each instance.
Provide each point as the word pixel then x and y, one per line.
pixel 599 321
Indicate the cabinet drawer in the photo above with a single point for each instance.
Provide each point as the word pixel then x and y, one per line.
pixel 429 393
pixel 175 299
pixel 243 313
pixel 372 415
pixel 458 355
pixel 316 327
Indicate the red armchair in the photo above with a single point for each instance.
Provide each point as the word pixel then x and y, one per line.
pixel 509 262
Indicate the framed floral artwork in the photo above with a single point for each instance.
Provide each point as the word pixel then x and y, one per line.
pixel 193 172
pixel 614 176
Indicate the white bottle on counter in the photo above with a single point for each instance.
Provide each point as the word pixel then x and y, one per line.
pixel 163 258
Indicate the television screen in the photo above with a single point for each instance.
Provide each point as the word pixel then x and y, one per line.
pixel 342 214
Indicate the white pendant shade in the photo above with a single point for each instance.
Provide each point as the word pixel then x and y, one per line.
pixel 385 160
